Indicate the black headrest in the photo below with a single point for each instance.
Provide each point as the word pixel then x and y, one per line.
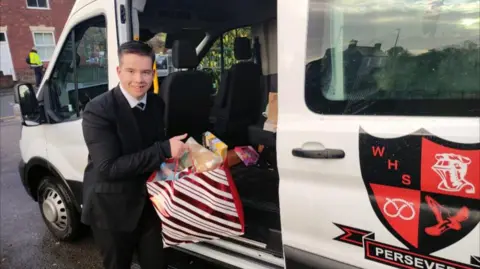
pixel 184 54
pixel 146 34
pixel 242 48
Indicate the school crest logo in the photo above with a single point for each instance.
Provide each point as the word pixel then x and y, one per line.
pixel 425 190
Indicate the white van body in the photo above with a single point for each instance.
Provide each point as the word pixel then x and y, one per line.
pixel 405 193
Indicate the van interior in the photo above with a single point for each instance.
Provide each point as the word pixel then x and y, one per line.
pixel 229 99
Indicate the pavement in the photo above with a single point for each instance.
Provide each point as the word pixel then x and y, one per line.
pixel 6 91
pixel 25 242
pixel 6 104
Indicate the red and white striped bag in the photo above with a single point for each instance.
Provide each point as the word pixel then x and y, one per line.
pixel 198 206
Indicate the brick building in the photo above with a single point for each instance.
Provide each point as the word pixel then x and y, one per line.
pixel 28 23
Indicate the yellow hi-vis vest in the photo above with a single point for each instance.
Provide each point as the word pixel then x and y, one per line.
pixel 35 59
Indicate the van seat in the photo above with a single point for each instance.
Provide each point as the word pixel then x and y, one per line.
pixel 239 100
pixel 187 94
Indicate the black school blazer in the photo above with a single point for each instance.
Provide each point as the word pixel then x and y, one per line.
pixel 114 191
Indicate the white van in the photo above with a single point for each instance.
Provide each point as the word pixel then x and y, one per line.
pixel 376 159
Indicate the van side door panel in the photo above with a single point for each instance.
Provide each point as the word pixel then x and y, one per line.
pixel 403 104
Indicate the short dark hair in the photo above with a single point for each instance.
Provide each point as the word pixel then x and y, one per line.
pixel 136 47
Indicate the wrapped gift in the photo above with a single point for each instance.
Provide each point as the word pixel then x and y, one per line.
pixel 200 158
pixel 247 154
pixel 214 144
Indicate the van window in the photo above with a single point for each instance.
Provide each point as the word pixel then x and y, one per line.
pixel 393 58
pixel 212 61
pixel 89 41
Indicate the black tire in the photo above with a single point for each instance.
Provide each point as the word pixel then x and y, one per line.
pixel 66 225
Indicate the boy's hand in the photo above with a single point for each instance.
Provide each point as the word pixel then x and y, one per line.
pixel 177 147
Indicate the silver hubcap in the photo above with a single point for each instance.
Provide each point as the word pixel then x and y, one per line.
pixel 54 209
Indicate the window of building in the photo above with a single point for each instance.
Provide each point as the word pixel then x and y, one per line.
pixel 221 55
pixel 2 37
pixel 45 44
pixel 76 81
pixel 393 58
pixel 37 4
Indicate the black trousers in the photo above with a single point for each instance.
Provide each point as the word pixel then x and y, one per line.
pixel 117 248
pixel 38 75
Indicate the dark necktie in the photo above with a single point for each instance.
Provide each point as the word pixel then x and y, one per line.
pixel 141 106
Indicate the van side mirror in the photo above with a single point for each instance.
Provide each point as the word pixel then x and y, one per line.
pixel 24 95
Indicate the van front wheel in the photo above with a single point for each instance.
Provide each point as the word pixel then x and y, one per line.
pixel 58 210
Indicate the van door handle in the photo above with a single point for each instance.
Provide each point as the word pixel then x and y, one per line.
pixel 319 154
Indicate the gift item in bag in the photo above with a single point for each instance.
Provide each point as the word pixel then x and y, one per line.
pixel 200 158
pixel 197 207
pixel 168 171
pixel 214 144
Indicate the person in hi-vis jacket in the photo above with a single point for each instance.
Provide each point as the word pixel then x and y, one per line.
pixel 37 65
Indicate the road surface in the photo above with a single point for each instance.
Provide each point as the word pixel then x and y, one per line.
pixel 6 104
pixel 25 241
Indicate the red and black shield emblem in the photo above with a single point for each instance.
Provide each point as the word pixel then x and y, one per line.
pixel 424 189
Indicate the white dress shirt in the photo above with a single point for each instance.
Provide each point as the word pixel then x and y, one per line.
pixel 132 101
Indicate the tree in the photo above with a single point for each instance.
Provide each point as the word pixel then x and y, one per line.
pixel 213 59
pixel 436 74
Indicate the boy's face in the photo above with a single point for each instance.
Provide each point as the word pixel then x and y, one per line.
pixel 136 74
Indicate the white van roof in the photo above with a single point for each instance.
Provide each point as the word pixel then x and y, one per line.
pixel 78 5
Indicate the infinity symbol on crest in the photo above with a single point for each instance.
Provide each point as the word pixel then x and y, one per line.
pixel 397 208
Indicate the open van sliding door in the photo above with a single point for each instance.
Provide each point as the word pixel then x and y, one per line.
pixel 128 26
pixel 378 136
